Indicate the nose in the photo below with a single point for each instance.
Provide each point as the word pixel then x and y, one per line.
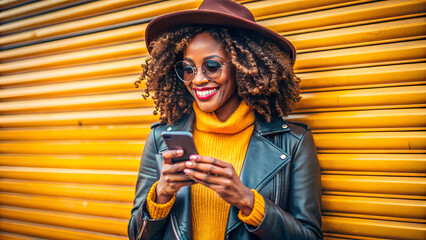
pixel 199 78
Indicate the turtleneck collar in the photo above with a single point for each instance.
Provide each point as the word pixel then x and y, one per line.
pixel 241 119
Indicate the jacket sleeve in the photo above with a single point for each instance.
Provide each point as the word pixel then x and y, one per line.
pixel 302 220
pixel 140 224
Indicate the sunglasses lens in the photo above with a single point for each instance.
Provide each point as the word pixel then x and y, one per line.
pixel 184 71
pixel 212 69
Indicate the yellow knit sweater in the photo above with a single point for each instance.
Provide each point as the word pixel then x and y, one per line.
pixel 226 141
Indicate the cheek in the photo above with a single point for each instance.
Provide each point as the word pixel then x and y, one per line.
pixel 187 85
pixel 231 83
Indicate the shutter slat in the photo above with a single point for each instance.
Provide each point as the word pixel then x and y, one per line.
pixel 358 121
pixel 131 33
pixel 10 236
pixel 375 184
pixel 405 163
pixel 100 117
pixel 364 34
pixel 74 147
pixel 348 120
pixel 68 14
pixel 398 141
pixel 74 221
pixel 73 73
pixel 100 21
pixel 29 9
pixel 115 52
pixel 52 232
pixel 106 177
pixel 374 228
pixel 108 101
pixel 126 163
pixel 392 75
pixel 351 14
pixel 276 8
pixel 361 99
pixel 349 142
pixel 81 191
pixel 401 208
pixel 102 85
pixel 110 132
pixel 95 208
pixel 326 101
pixel 369 55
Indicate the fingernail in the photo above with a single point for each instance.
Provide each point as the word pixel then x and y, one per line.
pixel 188 163
pixel 179 151
pixel 186 171
pixel 192 157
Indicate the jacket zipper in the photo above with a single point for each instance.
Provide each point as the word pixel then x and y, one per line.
pixel 277 193
pixel 174 228
pixel 143 229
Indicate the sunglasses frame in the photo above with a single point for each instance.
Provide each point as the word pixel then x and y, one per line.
pixel 195 68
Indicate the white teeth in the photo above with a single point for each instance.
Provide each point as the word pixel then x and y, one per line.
pixel 206 92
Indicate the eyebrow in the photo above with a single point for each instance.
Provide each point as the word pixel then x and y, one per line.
pixel 205 58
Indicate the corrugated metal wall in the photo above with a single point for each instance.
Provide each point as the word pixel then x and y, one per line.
pixel 72 125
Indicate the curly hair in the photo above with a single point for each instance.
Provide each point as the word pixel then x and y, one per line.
pixel 264 73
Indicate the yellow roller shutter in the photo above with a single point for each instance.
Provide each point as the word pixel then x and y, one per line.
pixel 72 125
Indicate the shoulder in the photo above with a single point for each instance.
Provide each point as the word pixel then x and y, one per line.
pixel 278 125
pixel 155 135
pixel 298 129
pixel 156 124
pixel 184 124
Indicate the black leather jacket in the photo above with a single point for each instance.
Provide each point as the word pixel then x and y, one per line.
pixel 281 164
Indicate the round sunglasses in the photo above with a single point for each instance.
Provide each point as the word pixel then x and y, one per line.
pixel 211 69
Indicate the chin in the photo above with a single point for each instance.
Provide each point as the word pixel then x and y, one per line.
pixel 206 107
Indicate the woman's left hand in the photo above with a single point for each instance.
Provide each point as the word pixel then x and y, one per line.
pixel 221 177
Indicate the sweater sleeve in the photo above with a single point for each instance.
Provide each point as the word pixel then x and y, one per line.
pixel 256 215
pixel 155 210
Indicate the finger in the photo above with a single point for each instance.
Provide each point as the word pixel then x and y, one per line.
pixel 177 177
pixel 201 176
pixel 169 154
pixel 173 167
pixel 207 184
pixel 175 186
pixel 186 183
pixel 209 168
pixel 210 160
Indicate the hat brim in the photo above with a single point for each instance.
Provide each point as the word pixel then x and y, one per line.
pixel 206 17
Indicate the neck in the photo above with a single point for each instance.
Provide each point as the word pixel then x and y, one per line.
pixel 224 112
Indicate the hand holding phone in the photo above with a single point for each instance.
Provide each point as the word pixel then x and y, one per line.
pixel 180 140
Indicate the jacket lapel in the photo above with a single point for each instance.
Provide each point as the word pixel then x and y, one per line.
pixel 181 216
pixel 263 160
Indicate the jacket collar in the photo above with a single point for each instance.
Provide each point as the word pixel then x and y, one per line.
pixel 263 128
pixel 276 125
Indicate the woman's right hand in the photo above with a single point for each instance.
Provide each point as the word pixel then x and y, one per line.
pixel 172 177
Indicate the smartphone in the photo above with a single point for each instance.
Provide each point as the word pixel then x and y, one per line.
pixel 180 140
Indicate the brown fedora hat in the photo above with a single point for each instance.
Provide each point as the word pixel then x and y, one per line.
pixel 216 12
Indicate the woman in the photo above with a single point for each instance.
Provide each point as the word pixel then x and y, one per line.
pixel 229 81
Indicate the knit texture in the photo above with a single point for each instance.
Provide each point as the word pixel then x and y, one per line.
pixel 256 215
pixel 226 141
pixel 155 210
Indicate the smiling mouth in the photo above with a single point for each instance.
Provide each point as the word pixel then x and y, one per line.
pixel 204 94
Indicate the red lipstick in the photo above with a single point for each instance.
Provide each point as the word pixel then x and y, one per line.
pixel 205 93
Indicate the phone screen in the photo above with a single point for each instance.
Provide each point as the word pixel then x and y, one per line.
pixel 180 140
